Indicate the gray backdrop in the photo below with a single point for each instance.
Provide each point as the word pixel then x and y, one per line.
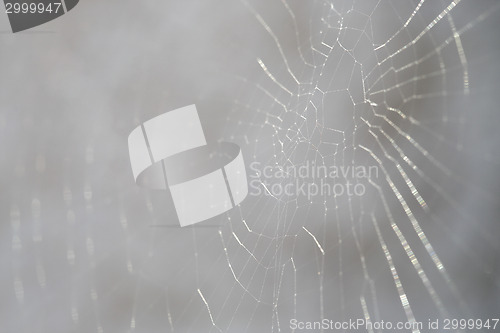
pixel 83 249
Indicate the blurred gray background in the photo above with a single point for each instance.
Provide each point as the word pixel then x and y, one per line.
pixel 83 249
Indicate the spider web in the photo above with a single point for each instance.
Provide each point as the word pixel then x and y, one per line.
pixel 384 84
pixel 352 93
